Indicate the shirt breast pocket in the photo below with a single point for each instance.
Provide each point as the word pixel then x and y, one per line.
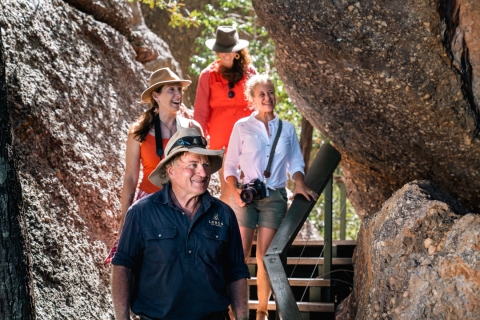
pixel 215 240
pixel 161 245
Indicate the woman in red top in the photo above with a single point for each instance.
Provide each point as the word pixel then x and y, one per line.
pixel 165 95
pixel 220 99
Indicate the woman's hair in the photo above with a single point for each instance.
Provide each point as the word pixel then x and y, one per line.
pixel 240 65
pixel 144 123
pixel 253 81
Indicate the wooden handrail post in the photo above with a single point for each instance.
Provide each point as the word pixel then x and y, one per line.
pixel 327 236
pixel 343 210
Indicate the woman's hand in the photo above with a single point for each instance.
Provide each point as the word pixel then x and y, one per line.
pixel 305 191
pixel 185 112
pixel 232 183
pixel 238 200
pixel 301 188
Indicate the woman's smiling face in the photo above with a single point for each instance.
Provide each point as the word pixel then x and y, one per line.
pixel 226 58
pixel 264 97
pixel 170 97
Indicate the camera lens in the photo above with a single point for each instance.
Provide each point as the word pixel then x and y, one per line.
pixel 247 195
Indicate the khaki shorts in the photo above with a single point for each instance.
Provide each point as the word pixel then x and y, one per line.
pixel 268 212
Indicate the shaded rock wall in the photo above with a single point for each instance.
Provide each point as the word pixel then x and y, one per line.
pixel 74 82
pixel 394 85
pixel 417 258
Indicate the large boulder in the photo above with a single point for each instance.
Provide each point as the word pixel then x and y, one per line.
pixel 417 258
pixel 74 78
pixel 126 17
pixel 394 85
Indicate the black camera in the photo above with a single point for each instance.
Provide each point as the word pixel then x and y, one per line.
pixel 254 190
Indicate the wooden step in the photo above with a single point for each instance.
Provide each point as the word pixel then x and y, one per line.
pixel 335 243
pixel 302 306
pixel 301 243
pixel 300 282
pixel 308 261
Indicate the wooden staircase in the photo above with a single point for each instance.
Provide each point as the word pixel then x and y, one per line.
pixel 290 263
pixel 304 269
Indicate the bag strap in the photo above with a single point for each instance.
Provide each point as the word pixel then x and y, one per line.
pixel 267 172
pixel 158 137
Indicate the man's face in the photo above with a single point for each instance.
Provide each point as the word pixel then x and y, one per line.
pixel 190 174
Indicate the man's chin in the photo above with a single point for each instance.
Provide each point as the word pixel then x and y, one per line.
pixel 200 186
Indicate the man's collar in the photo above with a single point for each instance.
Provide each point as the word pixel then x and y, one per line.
pixel 164 196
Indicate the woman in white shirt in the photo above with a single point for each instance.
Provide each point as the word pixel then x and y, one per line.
pixel 264 204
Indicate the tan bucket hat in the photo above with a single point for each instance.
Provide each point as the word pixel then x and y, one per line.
pixel 226 40
pixel 159 78
pixel 185 139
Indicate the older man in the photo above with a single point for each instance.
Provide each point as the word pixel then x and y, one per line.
pixel 180 253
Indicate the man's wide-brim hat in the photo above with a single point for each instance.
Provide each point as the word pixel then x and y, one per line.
pixel 194 145
pixel 159 78
pixel 226 40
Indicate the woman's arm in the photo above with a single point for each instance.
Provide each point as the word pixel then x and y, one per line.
pixel 132 172
pixel 232 159
pixel 201 109
pixel 297 164
pixel 232 184
pixel 301 188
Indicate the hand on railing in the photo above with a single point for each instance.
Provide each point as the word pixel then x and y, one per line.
pixel 301 188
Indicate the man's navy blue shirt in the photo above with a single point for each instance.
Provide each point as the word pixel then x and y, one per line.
pixel 181 267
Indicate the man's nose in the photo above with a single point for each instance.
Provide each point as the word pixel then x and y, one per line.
pixel 202 171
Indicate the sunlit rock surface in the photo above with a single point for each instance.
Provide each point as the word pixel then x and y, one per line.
pixel 393 84
pixel 417 258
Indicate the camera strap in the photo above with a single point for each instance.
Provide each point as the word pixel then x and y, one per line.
pixel 158 136
pixel 267 172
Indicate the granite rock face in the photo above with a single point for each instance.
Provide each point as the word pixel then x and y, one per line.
pixel 74 76
pixel 417 258
pixel 393 84
pixel 126 17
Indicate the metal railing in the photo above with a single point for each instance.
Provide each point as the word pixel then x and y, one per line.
pixel 319 178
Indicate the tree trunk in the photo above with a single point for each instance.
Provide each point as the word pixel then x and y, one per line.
pixel 16 294
pixel 306 141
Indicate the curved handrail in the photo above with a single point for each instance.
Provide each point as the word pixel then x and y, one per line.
pixel 317 178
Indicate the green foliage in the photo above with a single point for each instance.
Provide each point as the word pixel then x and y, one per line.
pixel 352 221
pixel 240 14
pixel 177 18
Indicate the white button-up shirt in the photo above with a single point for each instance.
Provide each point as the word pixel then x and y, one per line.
pixel 250 146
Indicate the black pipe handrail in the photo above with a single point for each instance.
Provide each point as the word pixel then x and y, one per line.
pixel 318 178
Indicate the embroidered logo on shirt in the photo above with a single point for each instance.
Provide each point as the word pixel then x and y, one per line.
pixel 216 221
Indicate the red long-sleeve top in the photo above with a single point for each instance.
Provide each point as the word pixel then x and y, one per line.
pixel 214 110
